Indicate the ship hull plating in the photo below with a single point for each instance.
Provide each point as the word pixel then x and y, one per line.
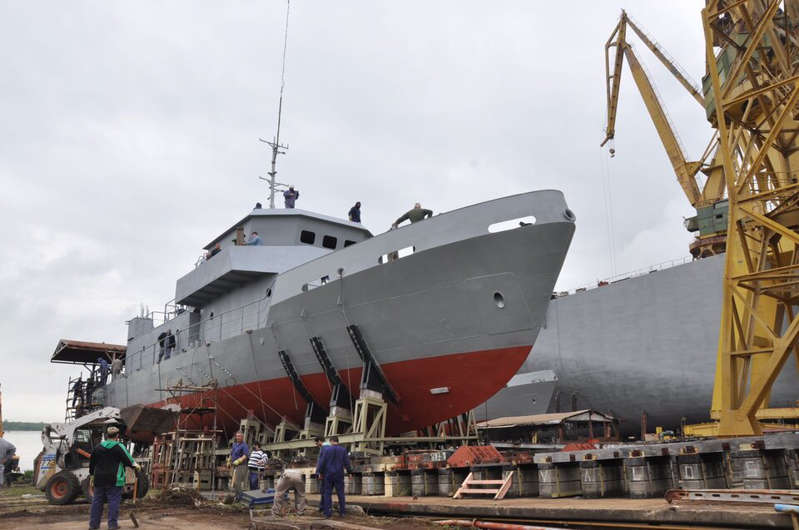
pixel 645 344
pixel 449 325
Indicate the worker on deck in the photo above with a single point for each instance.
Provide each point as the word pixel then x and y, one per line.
pixel 414 216
pixel 256 465
pixel 255 239
pixel 238 459
pixel 333 460
pixel 107 470
pixel 7 451
pixel 290 196
pixel 355 213
pixel 290 479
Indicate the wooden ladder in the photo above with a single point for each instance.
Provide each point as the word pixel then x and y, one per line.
pixel 501 487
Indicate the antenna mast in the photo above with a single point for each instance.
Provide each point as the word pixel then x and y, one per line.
pixel 277 147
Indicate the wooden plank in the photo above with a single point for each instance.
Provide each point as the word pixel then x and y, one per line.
pixel 480 491
pixel 493 482
pixel 464 484
pixel 505 487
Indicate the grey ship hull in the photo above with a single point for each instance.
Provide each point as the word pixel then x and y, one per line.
pixel 432 320
pixel 643 344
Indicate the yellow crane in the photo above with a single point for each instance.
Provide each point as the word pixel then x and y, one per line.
pixel 752 57
pixel 751 98
pixel 708 196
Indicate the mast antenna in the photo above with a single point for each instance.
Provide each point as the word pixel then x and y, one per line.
pixel 277 147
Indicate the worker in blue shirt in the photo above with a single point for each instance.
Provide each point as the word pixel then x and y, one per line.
pixel 255 239
pixel 238 459
pixel 333 460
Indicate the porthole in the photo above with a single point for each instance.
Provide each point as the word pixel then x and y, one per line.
pixel 499 300
pixel 269 292
pixel 569 215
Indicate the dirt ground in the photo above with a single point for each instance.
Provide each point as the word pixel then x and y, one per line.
pixel 29 509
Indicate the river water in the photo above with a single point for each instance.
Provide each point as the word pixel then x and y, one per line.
pixel 28 443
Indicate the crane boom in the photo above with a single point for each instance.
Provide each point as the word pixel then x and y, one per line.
pixel 707 197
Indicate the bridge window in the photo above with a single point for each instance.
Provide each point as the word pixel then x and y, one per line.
pixel 329 242
pixel 307 237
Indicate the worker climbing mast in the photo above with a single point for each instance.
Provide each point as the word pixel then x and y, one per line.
pixel 754 104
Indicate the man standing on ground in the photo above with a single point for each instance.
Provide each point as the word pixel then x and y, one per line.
pixel 330 468
pixel 290 479
pixel 7 451
pixel 355 213
pixel 107 470
pixel 290 196
pixel 256 465
pixel 238 459
pixel 414 216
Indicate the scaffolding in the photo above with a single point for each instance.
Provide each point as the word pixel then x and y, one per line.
pixel 186 456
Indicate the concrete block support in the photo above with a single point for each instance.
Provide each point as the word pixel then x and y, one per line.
pixel 601 478
pixel 761 469
pixel 445 482
pixel 559 480
pixel 397 484
pixel 373 484
pixel 646 477
pixel 701 471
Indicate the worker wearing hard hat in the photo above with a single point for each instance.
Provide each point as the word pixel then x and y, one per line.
pixel 107 470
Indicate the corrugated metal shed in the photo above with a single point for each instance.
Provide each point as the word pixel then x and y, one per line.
pixel 553 418
pixel 82 352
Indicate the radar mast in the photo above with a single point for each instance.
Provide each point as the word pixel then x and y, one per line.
pixel 277 147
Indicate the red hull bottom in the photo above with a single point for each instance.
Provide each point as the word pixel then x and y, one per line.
pixel 471 378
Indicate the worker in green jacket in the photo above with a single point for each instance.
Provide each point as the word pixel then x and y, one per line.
pixel 107 470
pixel 414 216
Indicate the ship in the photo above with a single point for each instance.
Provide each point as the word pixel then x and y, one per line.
pixel 643 343
pixel 434 317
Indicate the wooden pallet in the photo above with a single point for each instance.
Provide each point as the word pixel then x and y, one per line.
pixel 502 487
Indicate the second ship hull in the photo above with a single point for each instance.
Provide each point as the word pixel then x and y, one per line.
pixel 643 344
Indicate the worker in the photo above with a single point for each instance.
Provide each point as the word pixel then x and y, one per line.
pixel 213 252
pixel 161 345
pixel 77 390
pixel 238 459
pixel 290 196
pixel 414 216
pixel 355 213
pixel 107 470
pixel 170 344
pixel 256 465
pixel 104 369
pixel 257 205
pixel 7 451
pixel 255 239
pixel 333 459
pixel 116 366
pixel 290 479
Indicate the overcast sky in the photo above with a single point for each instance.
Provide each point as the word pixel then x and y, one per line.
pixel 129 138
